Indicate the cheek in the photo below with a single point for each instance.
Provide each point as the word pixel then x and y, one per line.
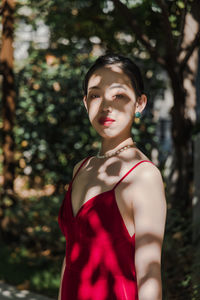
pixel 131 112
pixel 93 109
pixel 128 110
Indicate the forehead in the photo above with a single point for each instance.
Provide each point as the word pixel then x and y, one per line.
pixel 107 76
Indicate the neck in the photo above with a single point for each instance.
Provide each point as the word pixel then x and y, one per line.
pixel 114 144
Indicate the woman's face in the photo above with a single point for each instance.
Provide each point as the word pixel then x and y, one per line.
pixel 111 102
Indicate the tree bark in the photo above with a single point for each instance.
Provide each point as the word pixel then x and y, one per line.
pixel 8 103
pixel 183 120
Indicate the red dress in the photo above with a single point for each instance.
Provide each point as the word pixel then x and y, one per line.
pixel 99 249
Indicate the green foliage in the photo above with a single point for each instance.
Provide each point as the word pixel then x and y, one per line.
pixel 47 133
pixel 48 136
pixel 41 275
pixel 34 256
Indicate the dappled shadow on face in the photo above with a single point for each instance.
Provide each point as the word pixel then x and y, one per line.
pixel 103 81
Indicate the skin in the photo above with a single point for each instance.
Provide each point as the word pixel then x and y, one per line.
pixel 140 196
pixel 99 102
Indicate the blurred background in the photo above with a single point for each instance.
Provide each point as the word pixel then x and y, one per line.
pixel 46 48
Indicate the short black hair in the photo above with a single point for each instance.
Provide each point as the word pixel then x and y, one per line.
pixel 127 66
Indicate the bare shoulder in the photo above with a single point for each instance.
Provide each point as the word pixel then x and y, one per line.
pixel 149 173
pixel 148 182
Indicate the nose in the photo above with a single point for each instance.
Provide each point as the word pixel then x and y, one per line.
pixel 107 102
pixel 106 106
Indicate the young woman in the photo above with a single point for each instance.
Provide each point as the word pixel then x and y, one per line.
pixel 114 212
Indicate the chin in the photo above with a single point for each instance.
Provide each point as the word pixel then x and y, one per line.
pixel 106 134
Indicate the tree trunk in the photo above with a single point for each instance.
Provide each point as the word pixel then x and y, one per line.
pixel 180 184
pixel 182 179
pixel 196 215
pixel 8 103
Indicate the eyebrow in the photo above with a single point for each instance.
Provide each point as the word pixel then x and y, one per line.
pixel 93 87
pixel 112 87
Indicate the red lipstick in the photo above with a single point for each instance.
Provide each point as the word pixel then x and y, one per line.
pixel 106 121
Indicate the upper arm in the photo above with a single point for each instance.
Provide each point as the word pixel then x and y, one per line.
pixel 149 210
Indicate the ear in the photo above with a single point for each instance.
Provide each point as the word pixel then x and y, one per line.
pixel 141 102
pixel 85 102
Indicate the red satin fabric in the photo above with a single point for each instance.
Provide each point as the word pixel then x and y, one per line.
pixel 99 249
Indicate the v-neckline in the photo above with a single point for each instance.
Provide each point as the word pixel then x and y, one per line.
pixel 88 201
pixel 84 204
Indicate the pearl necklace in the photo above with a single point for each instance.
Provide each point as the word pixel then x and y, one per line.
pixel 116 152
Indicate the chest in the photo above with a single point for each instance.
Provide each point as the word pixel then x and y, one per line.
pixel 89 185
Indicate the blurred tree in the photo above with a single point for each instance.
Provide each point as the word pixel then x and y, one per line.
pixel 8 103
pixel 167 32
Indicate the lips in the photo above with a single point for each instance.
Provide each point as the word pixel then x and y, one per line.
pixel 106 121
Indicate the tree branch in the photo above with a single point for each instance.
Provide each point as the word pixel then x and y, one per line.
pixel 137 30
pixel 190 50
pixel 182 25
pixel 167 28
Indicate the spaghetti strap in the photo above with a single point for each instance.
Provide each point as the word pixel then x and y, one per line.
pixel 131 170
pixel 80 168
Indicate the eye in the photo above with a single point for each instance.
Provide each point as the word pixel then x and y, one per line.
pixel 93 96
pixel 119 96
